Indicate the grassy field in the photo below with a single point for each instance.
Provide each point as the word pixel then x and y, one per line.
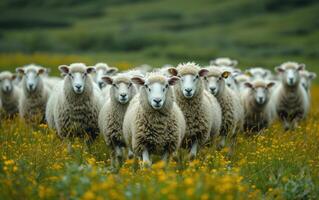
pixel 264 33
pixel 35 164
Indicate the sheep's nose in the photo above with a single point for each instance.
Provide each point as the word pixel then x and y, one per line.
pixel 31 85
pixel 123 95
pixel 157 100
pixel 78 87
pixel 188 90
pixel 212 89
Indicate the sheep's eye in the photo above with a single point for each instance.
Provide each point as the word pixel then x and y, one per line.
pixel 84 74
pixel 146 86
pixel 70 75
pixel 205 78
pixel 166 86
pixel 115 85
pixel 130 84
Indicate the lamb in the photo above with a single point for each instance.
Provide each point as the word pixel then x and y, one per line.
pixel 224 61
pixel 9 94
pixel 102 69
pixel 75 104
pixel 259 73
pixel 201 110
pixel 306 79
pixel 258 110
pixel 291 99
pixel 34 94
pixel 112 113
pixel 230 103
pixel 153 123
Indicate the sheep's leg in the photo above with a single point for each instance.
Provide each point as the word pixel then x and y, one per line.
pixel 146 158
pixel 130 154
pixel 165 157
pixel 193 151
pixel 222 142
pixel 118 155
pixel 287 126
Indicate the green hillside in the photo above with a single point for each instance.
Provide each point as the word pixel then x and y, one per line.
pixel 263 33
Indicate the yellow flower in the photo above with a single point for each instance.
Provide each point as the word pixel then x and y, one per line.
pixel 89 195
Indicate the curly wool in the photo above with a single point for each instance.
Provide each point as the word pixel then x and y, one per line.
pixel 158 131
pixel 9 101
pixel 76 114
pixel 111 116
pixel 33 104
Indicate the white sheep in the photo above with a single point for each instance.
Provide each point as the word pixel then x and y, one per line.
pixel 112 113
pixel 153 123
pixel 75 104
pixel 290 98
pixel 224 61
pixel 240 80
pixel 9 94
pixel 230 103
pixel 259 73
pixel 201 110
pixel 258 109
pixel 34 94
pixel 102 69
pixel 306 79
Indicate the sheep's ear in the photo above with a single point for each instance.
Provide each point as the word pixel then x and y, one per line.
pixel 20 70
pixel 112 70
pixel 249 85
pixel 138 80
pixel 14 76
pixel 42 71
pixel 301 67
pixel 89 70
pixel 173 71
pixel 107 80
pixel 312 75
pixel 64 69
pixel 225 74
pixel 234 63
pixel 173 80
pixel 279 69
pixel 270 85
pixel 203 72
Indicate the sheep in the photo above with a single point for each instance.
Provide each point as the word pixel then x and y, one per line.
pixel 102 69
pixel 34 94
pixel 224 61
pixel 240 80
pixel 258 109
pixel 75 104
pixel 259 73
pixel 153 123
pixel 9 94
pixel 291 99
pixel 112 113
pixel 201 109
pixel 306 78
pixel 229 101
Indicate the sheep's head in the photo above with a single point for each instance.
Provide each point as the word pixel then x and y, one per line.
pixel 224 62
pixel 258 73
pixel 102 69
pixel 6 79
pixel 260 91
pixel 156 87
pixel 122 88
pixel 290 73
pixel 32 76
pixel 77 73
pixel 190 75
pixel 306 79
pixel 215 80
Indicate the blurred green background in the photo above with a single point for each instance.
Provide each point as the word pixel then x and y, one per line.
pixel 126 33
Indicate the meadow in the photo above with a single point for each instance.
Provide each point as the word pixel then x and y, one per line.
pixel 36 164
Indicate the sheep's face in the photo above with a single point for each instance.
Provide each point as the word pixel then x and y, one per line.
pixel 306 78
pixel 77 77
pixel 6 83
pixel 101 72
pixel 190 82
pixel 215 84
pixel 123 91
pixel 156 90
pixel 32 77
pixel 260 93
pixel 290 75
